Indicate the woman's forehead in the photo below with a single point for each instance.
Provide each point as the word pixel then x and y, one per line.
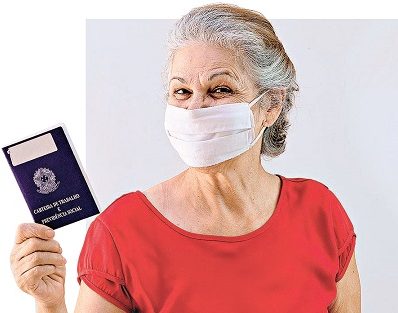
pixel 205 75
pixel 205 60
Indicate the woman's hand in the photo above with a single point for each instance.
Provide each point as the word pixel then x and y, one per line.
pixel 38 266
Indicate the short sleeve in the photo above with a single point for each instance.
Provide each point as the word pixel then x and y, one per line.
pixel 344 233
pixel 99 266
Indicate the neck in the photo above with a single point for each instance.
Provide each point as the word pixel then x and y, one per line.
pixel 236 184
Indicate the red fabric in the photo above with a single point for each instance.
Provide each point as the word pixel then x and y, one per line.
pixel 137 259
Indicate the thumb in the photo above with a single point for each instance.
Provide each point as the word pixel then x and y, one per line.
pixel 29 230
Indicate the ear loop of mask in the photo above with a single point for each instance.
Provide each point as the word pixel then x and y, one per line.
pixel 262 129
pixel 253 102
pixel 258 136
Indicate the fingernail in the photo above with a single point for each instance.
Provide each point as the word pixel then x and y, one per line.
pixel 49 233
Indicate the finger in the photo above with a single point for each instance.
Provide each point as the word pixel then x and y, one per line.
pixel 30 280
pixel 28 230
pixel 59 274
pixel 34 244
pixel 39 258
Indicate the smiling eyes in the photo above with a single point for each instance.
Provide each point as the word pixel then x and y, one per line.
pixel 218 92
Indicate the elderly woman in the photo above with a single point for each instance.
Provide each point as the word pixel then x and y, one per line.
pixel 224 235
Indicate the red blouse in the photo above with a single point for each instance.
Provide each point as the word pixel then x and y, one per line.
pixel 140 261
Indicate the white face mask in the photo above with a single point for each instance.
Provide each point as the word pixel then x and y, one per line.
pixel 208 136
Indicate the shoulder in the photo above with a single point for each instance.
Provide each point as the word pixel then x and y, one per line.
pixel 121 222
pixel 314 188
pixel 123 208
pixel 306 185
pixel 313 195
pixel 308 196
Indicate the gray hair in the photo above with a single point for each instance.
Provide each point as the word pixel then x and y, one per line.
pixel 253 40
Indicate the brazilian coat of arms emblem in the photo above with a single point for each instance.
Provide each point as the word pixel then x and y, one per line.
pixel 45 179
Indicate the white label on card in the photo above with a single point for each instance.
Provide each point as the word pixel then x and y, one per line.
pixel 32 149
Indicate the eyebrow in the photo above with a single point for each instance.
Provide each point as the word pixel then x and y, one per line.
pixel 178 78
pixel 228 73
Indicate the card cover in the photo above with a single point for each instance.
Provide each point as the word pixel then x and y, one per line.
pixel 51 178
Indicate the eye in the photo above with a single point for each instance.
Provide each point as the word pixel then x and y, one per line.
pixel 221 90
pixel 181 94
pixel 180 91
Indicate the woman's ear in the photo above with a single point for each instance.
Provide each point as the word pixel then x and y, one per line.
pixel 277 100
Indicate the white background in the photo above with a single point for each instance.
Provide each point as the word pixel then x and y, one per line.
pixel 42 81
